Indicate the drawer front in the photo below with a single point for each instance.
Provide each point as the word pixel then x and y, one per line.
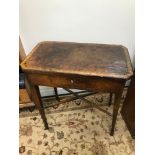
pixel 77 82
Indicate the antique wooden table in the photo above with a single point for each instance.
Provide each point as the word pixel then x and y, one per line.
pixel 97 67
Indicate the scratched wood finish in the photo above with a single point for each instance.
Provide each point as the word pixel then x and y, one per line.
pixel 79 58
pixel 96 67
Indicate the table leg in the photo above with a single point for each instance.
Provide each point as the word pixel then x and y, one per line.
pixel 37 101
pixel 110 99
pixel 115 111
pixel 56 94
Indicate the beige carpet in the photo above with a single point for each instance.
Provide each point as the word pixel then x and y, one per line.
pixel 74 130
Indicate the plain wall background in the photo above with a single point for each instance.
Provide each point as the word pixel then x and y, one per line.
pixel 93 21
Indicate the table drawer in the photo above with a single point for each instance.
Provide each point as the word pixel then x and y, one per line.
pixel 76 82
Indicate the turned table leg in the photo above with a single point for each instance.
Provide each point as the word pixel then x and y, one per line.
pixel 37 101
pixel 115 111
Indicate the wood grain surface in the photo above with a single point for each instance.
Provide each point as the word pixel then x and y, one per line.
pixel 79 58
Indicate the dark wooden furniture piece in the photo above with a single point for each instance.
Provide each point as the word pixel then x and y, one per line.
pixel 128 109
pixel 25 93
pixel 93 67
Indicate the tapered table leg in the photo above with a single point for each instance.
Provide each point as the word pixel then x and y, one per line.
pixel 37 101
pixel 56 94
pixel 110 99
pixel 115 111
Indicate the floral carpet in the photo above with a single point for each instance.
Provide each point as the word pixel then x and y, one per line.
pixel 74 130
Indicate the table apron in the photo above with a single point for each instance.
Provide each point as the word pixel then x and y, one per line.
pixel 77 82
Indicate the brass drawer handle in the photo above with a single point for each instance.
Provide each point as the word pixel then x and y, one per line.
pixel 72 81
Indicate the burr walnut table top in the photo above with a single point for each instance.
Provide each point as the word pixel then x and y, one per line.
pixel 79 58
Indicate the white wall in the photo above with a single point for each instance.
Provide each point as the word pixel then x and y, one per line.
pixel 96 21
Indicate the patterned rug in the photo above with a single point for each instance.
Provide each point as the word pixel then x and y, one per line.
pixel 74 130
